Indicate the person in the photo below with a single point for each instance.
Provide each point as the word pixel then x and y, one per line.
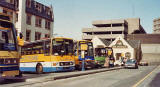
pixel 106 64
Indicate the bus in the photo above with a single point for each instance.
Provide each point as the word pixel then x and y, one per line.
pixel 48 55
pixel 9 55
pixel 89 55
pixel 101 53
pixel 100 56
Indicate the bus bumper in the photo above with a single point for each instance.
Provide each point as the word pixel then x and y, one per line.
pixel 9 73
pixel 64 68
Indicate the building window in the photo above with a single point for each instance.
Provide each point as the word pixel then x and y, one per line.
pixel 38 6
pixel 28 3
pixel 12 1
pixel 16 17
pixel 38 22
pixel 47 36
pixel 47 11
pixel 28 34
pixel 47 24
pixel 28 19
pixel 4 11
pixel 37 36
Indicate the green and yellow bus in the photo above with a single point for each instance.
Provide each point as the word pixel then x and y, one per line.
pixel 9 55
pixel 88 54
pixel 101 53
pixel 48 55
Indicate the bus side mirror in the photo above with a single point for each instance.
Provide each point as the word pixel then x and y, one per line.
pixel 20 39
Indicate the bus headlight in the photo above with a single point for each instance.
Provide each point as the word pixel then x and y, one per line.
pixel 71 63
pixel 55 64
pixel 61 64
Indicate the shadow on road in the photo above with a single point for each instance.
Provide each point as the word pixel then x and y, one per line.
pixel 156 81
pixel 12 80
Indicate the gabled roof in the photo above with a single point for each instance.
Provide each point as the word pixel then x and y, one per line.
pixel 106 42
pixel 134 43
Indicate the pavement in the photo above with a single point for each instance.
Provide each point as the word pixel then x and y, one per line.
pixel 31 79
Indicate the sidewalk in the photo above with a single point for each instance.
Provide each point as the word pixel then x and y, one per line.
pixel 62 75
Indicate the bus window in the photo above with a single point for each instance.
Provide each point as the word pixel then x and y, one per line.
pixel 47 47
pixel 7 41
pixel 90 49
pixel 58 47
pixel 68 47
pixel 38 47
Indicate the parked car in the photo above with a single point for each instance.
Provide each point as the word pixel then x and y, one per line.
pixel 131 63
pixel 143 63
pixel 118 63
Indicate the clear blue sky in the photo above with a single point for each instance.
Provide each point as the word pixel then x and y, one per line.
pixel 73 15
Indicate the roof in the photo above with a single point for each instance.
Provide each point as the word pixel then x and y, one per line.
pixel 106 42
pixel 134 43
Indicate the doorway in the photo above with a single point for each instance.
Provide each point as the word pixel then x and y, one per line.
pixel 118 55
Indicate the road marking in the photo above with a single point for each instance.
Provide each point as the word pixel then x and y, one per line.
pixel 144 78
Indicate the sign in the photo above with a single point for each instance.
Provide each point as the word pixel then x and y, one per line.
pixel 119 44
pixel 84 46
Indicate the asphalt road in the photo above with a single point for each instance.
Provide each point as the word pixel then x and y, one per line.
pixel 145 76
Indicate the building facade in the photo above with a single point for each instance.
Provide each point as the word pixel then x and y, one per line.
pixel 156 26
pixel 110 29
pixel 32 18
pixel 127 49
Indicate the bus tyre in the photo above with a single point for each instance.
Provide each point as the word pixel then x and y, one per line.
pixel 20 74
pixel 39 69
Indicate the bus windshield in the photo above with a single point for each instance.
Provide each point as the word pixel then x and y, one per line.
pixel 62 47
pixel 100 52
pixel 7 39
pixel 89 51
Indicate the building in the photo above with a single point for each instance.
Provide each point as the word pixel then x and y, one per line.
pixel 32 18
pixel 150 44
pixel 127 49
pixel 156 25
pixel 110 29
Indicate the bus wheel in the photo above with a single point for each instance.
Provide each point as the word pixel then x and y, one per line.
pixel 20 74
pixel 39 69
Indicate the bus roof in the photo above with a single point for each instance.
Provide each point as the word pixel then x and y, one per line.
pixel 84 41
pixel 62 38
pixel 45 39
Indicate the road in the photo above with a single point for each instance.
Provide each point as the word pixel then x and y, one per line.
pixel 145 76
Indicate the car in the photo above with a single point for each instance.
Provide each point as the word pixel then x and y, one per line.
pixel 131 63
pixel 143 63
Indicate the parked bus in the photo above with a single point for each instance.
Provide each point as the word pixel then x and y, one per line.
pixel 89 55
pixel 48 55
pixel 100 56
pixel 9 55
pixel 101 53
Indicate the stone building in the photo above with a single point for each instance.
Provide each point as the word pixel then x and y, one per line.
pixel 156 26
pixel 110 29
pixel 32 18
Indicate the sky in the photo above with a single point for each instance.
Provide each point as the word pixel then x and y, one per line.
pixel 70 16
